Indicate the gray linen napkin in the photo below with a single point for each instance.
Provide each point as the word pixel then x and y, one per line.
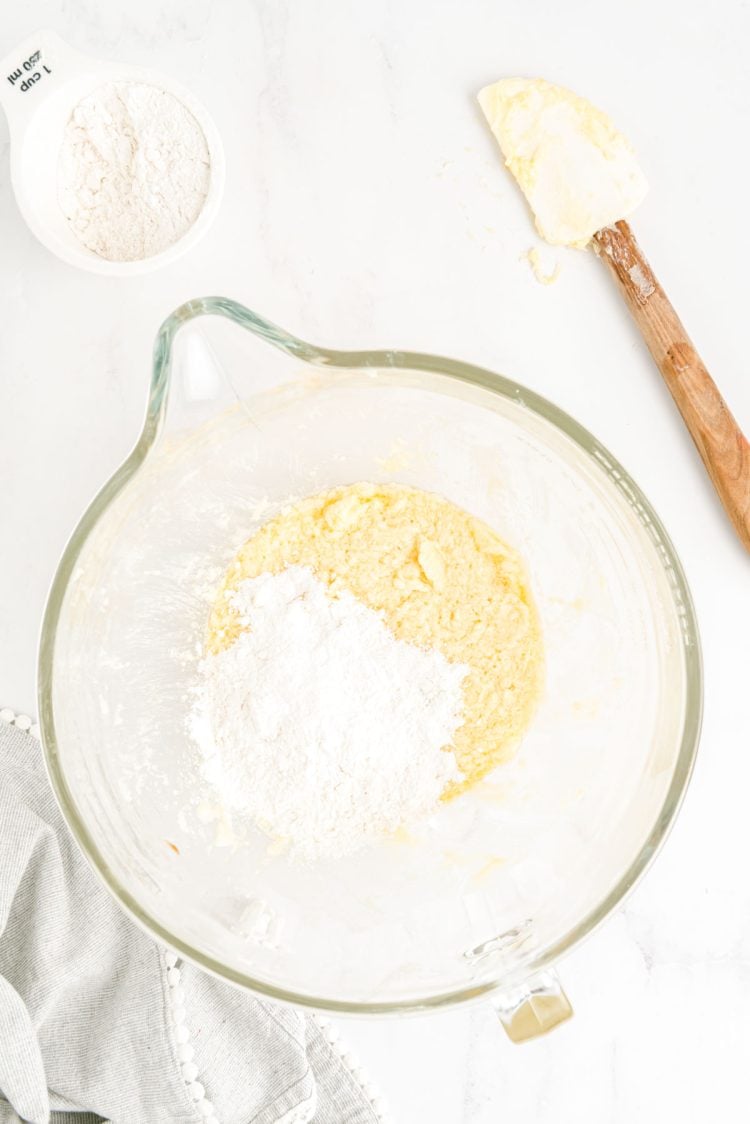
pixel 98 1022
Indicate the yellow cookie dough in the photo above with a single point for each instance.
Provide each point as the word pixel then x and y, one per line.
pixel 440 577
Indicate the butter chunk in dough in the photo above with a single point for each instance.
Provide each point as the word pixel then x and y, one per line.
pixel 441 578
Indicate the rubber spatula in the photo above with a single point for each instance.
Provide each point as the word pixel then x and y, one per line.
pixel 581 179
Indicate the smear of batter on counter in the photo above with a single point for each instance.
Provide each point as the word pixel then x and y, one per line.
pixel 577 171
pixel 441 579
pixel 545 272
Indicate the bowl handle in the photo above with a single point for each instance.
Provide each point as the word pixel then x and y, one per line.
pixel 537 1005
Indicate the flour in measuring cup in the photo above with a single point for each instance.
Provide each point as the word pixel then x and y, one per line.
pixel 318 724
pixel 133 170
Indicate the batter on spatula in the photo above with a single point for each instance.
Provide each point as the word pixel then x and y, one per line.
pixel 577 171
pixel 581 179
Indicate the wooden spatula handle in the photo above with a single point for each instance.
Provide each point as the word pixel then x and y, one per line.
pixel 720 442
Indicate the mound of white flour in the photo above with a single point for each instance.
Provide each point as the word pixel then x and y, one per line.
pixel 133 171
pixel 319 724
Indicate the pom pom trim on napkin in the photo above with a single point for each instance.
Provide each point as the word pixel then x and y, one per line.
pixel 20 721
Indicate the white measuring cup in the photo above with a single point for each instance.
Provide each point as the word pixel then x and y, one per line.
pixel 41 82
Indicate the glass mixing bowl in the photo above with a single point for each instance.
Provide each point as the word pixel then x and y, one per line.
pixel 485 896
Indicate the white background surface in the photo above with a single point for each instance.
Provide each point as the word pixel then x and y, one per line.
pixel 366 206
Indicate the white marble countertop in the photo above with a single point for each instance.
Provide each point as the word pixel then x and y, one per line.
pixel 366 205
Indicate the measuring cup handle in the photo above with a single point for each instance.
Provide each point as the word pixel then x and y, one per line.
pixel 533 1008
pixel 31 72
